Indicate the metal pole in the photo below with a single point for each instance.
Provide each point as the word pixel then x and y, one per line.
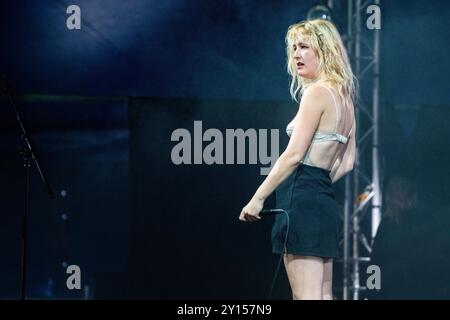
pixel 355 255
pixel 348 194
pixel 377 199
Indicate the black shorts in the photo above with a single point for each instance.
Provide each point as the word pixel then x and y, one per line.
pixel 314 215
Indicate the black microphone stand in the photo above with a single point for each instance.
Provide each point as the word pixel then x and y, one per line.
pixel 28 153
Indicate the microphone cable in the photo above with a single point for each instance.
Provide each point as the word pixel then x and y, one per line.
pixel 277 270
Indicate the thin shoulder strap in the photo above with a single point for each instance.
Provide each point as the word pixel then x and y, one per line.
pixel 350 132
pixel 335 105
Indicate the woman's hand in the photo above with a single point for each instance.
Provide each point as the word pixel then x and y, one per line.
pixel 251 211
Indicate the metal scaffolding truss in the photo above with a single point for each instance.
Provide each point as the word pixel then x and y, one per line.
pixel 362 186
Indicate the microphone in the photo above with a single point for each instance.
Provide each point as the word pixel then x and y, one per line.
pixel 269 212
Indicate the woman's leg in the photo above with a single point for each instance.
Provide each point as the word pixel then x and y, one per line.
pixel 305 274
pixel 327 284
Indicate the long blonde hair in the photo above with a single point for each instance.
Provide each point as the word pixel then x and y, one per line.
pixel 332 55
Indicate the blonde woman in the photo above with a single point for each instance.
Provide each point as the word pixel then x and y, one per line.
pixel 321 150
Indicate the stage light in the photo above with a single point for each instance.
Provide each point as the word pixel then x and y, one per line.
pixel 319 12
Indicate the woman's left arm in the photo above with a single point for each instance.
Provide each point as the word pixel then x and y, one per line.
pixel 306 123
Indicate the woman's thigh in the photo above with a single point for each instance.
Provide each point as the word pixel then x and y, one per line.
pixel 305 274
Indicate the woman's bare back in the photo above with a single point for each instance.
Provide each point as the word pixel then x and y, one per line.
pixel 334 134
